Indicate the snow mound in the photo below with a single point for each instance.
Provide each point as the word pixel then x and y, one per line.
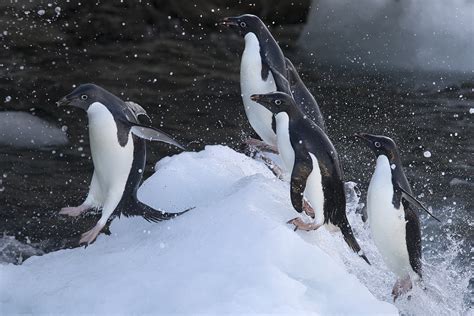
pixel 21 129
pixel 232 254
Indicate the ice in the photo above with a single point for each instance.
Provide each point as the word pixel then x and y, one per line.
pixel 232 254
pixel 21 129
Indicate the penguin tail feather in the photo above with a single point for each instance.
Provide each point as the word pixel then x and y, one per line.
pixel 156 215
pixel 352 242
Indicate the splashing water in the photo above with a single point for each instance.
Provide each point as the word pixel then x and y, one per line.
pixel 446 283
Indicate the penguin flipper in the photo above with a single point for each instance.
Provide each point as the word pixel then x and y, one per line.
pixel 150 214
pixel 350 240
pixel 413 232
pixel 301 170
pixel 153 134
pixel 281 82
pixel 412 200
pixel 136 110
pixel 291 70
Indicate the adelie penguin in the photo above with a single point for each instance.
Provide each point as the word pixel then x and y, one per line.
pixel 393 221
pixel 317 186
pixel 261 56
pixel 117 140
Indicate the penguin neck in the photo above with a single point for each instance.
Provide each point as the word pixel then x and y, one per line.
pixel 252 42
pixel 395 166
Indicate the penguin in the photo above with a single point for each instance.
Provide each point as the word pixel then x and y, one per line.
pixel 303 98
pixel 117 140
pixel 260 58
pixel 393 222
pixel 316 185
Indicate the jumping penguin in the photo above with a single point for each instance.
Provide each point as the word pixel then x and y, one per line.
pixel 117 140
pixel 261 56
pixel 393 222
pixel 317 186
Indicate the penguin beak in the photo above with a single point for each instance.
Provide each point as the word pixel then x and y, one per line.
pixel 228 22
pixel 63 102
pixel 364 136
pixel 256 97
pixel 359 135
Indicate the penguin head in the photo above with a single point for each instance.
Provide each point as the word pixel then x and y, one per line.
pixel 275 101
pixel 244 24
pixel 380 145
pixel 83 96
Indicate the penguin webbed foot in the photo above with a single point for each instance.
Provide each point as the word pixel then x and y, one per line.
pixel 300 224
pixel 308 209
pixel 260 145
pixel 402 286
pixel 277 171
pixel 73 211
pixel 90 236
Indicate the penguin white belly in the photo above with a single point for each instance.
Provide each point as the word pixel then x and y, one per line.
pixel 251 82
pixel 387 223
pixel 112 162
pixel 283 139
pixel 314 191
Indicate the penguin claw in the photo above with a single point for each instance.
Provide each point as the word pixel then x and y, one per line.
pixel 261 145
pixel 73 211
pixel 90 236
pixel 308 209
pixel 300 224
pixel 402 286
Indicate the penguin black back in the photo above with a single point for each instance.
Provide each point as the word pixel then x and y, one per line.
pixel 308 140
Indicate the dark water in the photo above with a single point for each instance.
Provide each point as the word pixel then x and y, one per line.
pixel 189 84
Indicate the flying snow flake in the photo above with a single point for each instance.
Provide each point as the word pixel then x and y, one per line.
pixel 8 99
pixel 471 111
pixel 427 154
pixel 41 12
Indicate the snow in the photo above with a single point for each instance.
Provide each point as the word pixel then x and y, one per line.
pixel 232 254
pixel 21 129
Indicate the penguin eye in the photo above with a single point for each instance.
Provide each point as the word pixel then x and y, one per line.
pixel 277 102
pixel 84 97
pixel 243 24
pixel 377 144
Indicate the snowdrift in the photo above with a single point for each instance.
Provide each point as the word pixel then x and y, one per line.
pixel 232 254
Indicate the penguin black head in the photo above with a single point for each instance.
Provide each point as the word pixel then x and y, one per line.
pixel 244 24
pixel 275 101
pixel 84 95
pixel 380 145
